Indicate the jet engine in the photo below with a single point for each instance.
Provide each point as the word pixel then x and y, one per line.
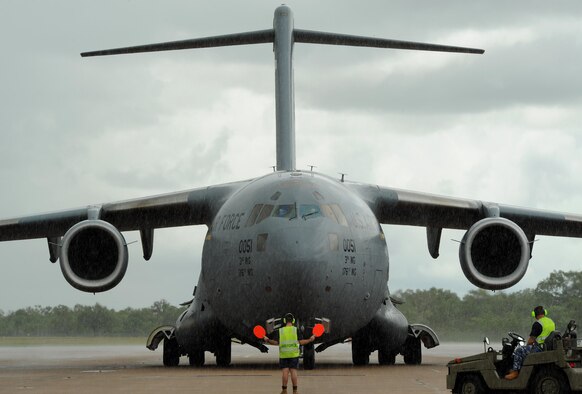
pixel 93 256
pixel 494 253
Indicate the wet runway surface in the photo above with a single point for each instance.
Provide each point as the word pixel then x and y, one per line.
pixel 134 369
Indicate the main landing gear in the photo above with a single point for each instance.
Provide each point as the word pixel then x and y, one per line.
pixel 222 352
pixel 364 344
pixel 386 356
pixel 196 358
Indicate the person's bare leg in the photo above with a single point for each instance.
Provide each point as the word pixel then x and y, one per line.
pixel 285 377
pixel 294 378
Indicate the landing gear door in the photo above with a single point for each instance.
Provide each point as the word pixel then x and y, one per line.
pixel 425 334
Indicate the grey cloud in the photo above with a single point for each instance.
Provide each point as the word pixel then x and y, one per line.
pixel 60 116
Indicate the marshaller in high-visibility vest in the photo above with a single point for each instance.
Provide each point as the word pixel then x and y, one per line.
pixel 288 342
pixel 289 352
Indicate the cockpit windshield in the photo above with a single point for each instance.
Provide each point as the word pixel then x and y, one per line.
pixel 307 211
pixel 284 211
pixel 293 211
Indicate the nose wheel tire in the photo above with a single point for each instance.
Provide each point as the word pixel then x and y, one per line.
pixel 308 356
pixel 360 353
pixel 223 354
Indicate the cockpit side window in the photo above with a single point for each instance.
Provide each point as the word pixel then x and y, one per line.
pixel 265 212
pixel 335 213
pixel 253 215
pixel 341 218
pixel 328 212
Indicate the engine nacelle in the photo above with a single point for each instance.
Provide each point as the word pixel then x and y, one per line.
pixel 93 256
pixel 494 253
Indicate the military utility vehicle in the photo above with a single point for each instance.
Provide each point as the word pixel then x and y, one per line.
pixel 557 369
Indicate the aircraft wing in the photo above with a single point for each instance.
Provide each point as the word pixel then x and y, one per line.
pixel 404 207
pixel 88 241
pixel 196 206
pixel 496 248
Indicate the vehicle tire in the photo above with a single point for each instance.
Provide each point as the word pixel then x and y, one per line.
pixel 469 384
pixel 360 354
pixel 308 356
pixel 549 380
pixel 412 351
pixel 223 354
pixel 196 358
pixel 386 357
pixel 171 353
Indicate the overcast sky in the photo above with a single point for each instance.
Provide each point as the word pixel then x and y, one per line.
pixel 505 126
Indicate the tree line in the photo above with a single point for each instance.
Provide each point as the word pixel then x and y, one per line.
pixel 81 320
pixel 478 313
pixel 485 313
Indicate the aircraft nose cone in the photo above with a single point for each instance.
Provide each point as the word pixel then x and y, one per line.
pixel 299 247
pixel 299 258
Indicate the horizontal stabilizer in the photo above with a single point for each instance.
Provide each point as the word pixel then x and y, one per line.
pixel 317 37
pixel 266 36
pixel 251 37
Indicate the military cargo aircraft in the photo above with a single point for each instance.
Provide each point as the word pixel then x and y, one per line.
pixel 292 240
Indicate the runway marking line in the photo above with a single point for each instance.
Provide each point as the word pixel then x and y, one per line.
pixel 340 376
pixel 229 376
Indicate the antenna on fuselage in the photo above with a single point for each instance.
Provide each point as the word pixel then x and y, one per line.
pixel 283 36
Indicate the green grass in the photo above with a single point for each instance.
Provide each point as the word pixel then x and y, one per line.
pixel 71 341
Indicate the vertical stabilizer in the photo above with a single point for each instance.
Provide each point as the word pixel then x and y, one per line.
pixel 284 91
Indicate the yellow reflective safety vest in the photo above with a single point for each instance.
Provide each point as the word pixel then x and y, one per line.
pixel 548 326
pixel 288 342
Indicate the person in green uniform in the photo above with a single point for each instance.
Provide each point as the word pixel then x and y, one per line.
pixel 289 350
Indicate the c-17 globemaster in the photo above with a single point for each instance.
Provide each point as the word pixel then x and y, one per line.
pixel 292 240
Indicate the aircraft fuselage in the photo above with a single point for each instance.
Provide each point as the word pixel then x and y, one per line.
pixel 295 242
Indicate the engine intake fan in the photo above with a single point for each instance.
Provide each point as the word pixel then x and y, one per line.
pixel 93 256
pixel 494 253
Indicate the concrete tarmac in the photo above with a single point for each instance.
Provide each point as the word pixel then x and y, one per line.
pixel 134 369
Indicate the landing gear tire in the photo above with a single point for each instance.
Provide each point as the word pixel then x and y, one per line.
pixel 308 356
pixel 196 358
pixel 360 354
pixel 549 380
pixel 171 353
pixel 469 384
pixel 412 351
pixel 386 357
pixel 223 354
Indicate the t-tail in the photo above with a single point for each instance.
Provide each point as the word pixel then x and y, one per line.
pixel 283 35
